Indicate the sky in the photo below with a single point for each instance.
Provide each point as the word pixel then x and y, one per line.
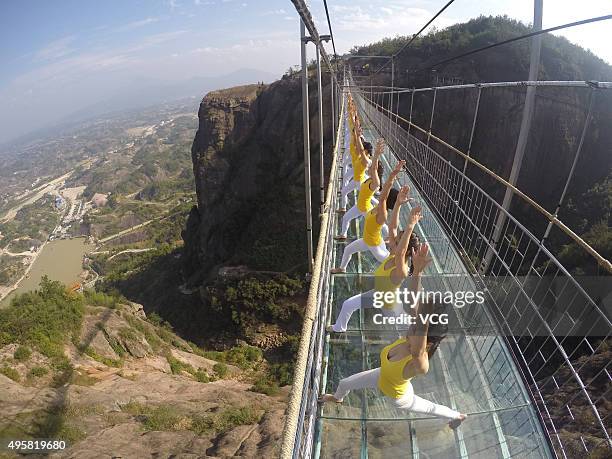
pixel 61 56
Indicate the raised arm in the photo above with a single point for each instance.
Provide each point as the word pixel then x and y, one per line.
pixel 402 198
pixel 417 334
pixel 381 209
pixel 402 247
pixel 373 169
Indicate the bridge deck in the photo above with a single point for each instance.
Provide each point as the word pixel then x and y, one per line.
pixel 472 370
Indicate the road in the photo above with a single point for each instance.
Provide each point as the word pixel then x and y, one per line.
pixel 125 231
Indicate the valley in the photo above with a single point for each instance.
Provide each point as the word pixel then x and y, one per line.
pixel 109 181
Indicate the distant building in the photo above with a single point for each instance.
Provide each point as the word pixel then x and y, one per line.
pixel 59 202
pixel 99 200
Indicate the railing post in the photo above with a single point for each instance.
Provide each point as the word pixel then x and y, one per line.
pixel 321 165
pixel 333 102
pixel 306 132
pixel 410 118
pixel 528 110
pixel 433 109
pixel 469 149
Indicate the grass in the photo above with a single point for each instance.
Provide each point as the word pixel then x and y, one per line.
pixel 104 360
pixel 114 344
pixel 10 373
pixel 169 418
pixel 37 372
pixel 177 367
pixel 95 298
pixel 154 341
pixel 220 369
pixel 244 356
pixel 264 385
pixel 22 354
pixel 225 420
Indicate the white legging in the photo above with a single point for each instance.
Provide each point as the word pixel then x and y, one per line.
pixel 409 401
pixel 354 213
pixel 352 185
pixel 380 251
pixel 364 301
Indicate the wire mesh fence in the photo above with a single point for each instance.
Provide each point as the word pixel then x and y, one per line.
pixel 558 333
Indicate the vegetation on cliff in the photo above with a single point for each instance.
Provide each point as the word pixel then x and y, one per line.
pixel 103 366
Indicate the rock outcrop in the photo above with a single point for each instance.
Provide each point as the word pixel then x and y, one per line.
pixel 130 388
pixel 248 167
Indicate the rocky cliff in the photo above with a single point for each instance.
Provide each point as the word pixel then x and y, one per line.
pixel 248 168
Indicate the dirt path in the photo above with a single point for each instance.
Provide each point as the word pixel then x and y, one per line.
pixel 125 231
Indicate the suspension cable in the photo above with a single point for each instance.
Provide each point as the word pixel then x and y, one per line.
pixel 414 37
pixel 331 33
pixel 304 13
pixel 521 37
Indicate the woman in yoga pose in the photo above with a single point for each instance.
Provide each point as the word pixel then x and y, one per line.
pixel 407 357
pixel 360 158
pixel 372 239
pixel 365 198
pixel 390 274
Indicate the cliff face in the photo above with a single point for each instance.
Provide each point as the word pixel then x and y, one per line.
pixel 248 167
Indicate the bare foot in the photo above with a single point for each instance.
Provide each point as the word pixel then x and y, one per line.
pixel 457 422
pixel 337 270
pixel 328 398
pixel 340 237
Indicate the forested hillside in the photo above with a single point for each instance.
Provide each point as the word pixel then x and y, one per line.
pixel 558 120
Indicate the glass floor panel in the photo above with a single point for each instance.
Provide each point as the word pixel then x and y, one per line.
pixel 472 371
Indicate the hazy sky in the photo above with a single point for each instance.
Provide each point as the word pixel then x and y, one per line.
pixel 63 55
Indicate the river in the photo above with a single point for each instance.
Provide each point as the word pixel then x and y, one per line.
pixel 60 260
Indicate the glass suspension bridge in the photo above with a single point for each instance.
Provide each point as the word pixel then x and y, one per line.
pixel 527 366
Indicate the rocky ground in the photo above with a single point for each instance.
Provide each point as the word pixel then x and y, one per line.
pixel 132 388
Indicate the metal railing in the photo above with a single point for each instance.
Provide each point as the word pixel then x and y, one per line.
pixel 301 412
pixel 557 342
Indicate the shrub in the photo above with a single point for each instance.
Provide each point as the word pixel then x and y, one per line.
pixel 201 376
pixel 265 386
pixel 251 299
pixel 37 372
pixel 22 354
pixel 43 319
pixel 282 373
pixel 176 366
pixel 220 370
pixel 243 356
pixel 102 299
pixel 10 373
pixel 155 319
pixel 225 420
pixel 163 418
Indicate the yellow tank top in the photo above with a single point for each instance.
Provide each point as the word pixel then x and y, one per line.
pixel 383 282
pixel 353 151
pixel 359 170
pixel 391 381
pixel 372 231
pixel 364 199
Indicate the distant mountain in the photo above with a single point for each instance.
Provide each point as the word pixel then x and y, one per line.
pixel 151 91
